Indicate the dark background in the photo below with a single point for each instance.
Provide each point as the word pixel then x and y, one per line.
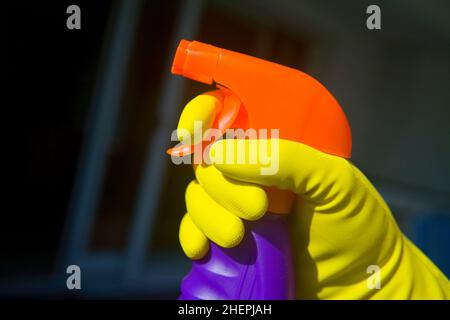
pixel 393 84
pixel 51 72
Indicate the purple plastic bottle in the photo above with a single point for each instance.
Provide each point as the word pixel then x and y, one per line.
pixel 259 268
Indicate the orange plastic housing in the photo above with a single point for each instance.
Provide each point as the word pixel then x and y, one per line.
pixel 272 96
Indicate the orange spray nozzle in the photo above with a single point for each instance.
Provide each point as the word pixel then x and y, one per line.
pixel 259 94
pixel 272 96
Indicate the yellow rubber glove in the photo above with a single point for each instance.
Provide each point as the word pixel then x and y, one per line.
pixel 341 225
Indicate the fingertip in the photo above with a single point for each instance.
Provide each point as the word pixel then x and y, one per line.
pixel 256 204
pixel 246 200
pixel 202 109
pixel 191 190
pixel 194 243
pixel 214 221
pixel 232 236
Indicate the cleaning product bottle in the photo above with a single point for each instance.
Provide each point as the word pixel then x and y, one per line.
pixel 259 94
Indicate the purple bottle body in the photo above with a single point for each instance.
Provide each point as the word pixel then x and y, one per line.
pixel 259 268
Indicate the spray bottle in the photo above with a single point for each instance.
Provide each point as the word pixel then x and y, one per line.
pixel 259 94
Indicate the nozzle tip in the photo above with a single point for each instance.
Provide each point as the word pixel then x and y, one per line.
pixel 196 61
pixel 180 57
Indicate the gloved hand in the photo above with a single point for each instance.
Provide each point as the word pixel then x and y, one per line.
pixel 341 225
